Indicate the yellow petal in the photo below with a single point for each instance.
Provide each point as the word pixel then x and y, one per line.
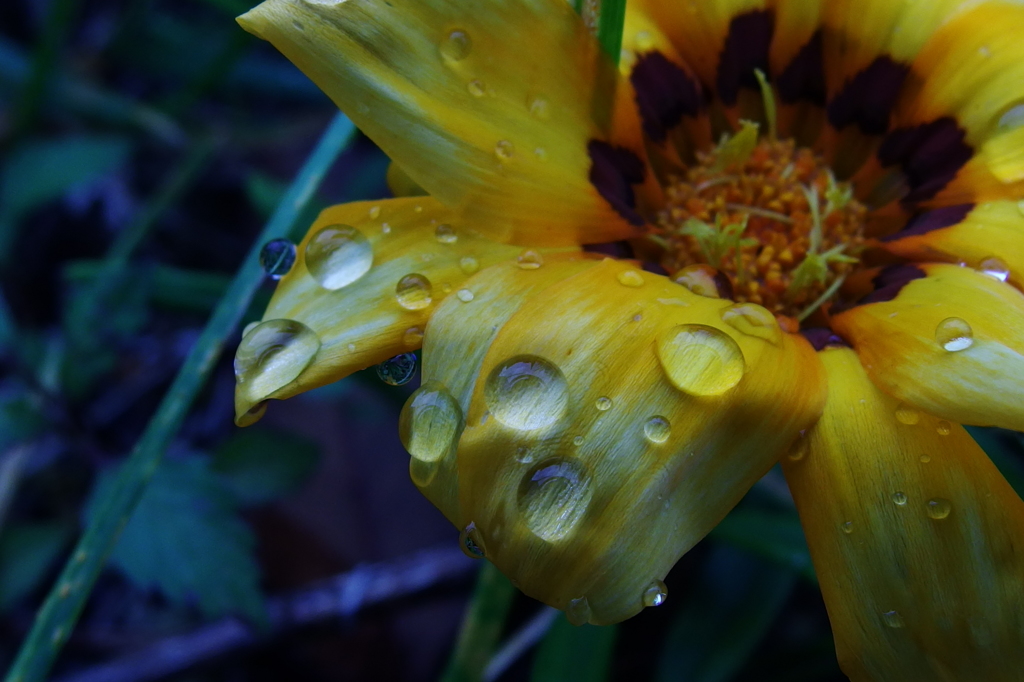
pixel 508 113
pixel 917 540
pixel 368 276
pixel 950 342
pixel 612 419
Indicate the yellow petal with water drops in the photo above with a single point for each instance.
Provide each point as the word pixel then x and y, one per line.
pixel 917 540
pixel 612 418
pixel 507 111
pixel 945 339
pixel 367 278
pixel 987 237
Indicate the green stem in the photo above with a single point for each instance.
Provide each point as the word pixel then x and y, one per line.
pixel 610 24
pixel 481 626
pixel 63 605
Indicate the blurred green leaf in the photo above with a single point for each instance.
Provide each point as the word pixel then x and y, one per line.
pixel 726 614
pixel 21 419
pixel 260 465
pixel 186 540
pixel 774 535
pixel 574 654
pixel 27 553
pixel 482 625
pixel 39 171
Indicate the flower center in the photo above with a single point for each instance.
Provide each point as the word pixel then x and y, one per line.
pixel 761 221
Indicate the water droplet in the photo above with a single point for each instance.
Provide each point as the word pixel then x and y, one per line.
pixel 603 403
pixel 298 26
pixel 338 255
pixel 944 428
pixel 272 354
pixel 385 228
pixel 465 295
pixel 644 41
pixel 525 454
pixel 847 527
pixel 414 292
pixel 526 392
pixel 1020 206
pixel 469 265
pixel 995 267
pixel 374 212
pixel 429 427
pixel 399 370
pixel 553 496
pixel 471 542
pixel 753 320
pixel 899 498
pixel 476 88
pixel 905 414
pixel 925 459
pixel 445 234
pixel 655 594
pixel 456 46
pixel 540 153
pixel 413 337
pixel 540 108
pixel 578 611
pixel 938 508
pixel 529 260
pixel 504 150
pixel 630 278
pixel 577 441
pixel 702 280
pixel 954 334
pixel 799 448
pixel 893 619
pixel 700 360
pixel 277 257
pixel 657 429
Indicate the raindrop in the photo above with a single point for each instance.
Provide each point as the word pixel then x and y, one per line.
pixel 540 153
pixel 925 459
pixel 702 280
pixel 469 265
pixel 753 320
pixel 374 212
pixel 938 508
pixel 456 46
pixel 476 88
pixel 906 414
pixel 577 441
pixel 655 594
pixel 700 360
pixel 504 150
pixel 445 234
pixel 414 292
pixel 413 337
pixel 471 542
pixel 994 267
pixel 799 449
pixel 954 334
pixel 899 498
pixel 465 295
pixel 539 108
pixel 603 403
pixel 277 257
pixel 847 527
pixel 526 392
pixel 429 427
pixel 273 354
pixel 399 370
pixel 529 260
pixel 553 496
pixel 630 278
pixel 944 428
pixel 893 619
pixel 578 611
pixel 338 255
pixel 657 429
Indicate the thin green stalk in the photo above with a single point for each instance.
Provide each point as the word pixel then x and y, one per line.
pixel 481 626
pixel 63 605
pixel 58 22
pixel 611 21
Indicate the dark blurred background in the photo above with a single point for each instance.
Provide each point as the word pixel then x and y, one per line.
pixel 159 133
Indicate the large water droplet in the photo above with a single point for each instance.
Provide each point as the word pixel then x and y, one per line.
pixel 456 46
pixel 469 265
pixel 529 260
pixel 414 292
pixel 429 427
pixel 753 320
pixel 277 257
pixel 553 497
pixel 504 150
pixel 939 508
pixel 399 370
pixel 630 278
pixel 338 255
pixel 273 354
pixel 603 403
pixel 578 611
pixel 700 360
pixel 655 594
pixel 471 542
pixel 900 498
pixel 893 619
pixel 995 267
pixel 445 234
pixel 526 392
pixel 954 334
pixel 905 414
pixel 657 429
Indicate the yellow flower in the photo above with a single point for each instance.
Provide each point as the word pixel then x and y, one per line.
pixel 838 290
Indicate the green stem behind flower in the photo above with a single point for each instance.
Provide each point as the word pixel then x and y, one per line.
pixel 481 626
pixel 63 605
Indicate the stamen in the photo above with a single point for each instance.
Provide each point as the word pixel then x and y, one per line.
pixel 763 212
pixel 769 103
pixel 820 301
pixel 736 150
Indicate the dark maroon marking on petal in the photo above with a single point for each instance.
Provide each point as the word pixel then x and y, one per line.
pixel 890 281
pixel 868 98
pixel 664 94
pixel 724 285
pixel 654 268
pixel 746 48
pixel 618 250
pixel 821 338
pixel 804 78
pixel 936 219
pixel 613 172
pixel 930 155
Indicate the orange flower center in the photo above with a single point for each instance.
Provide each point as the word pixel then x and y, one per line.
pixel 766 221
